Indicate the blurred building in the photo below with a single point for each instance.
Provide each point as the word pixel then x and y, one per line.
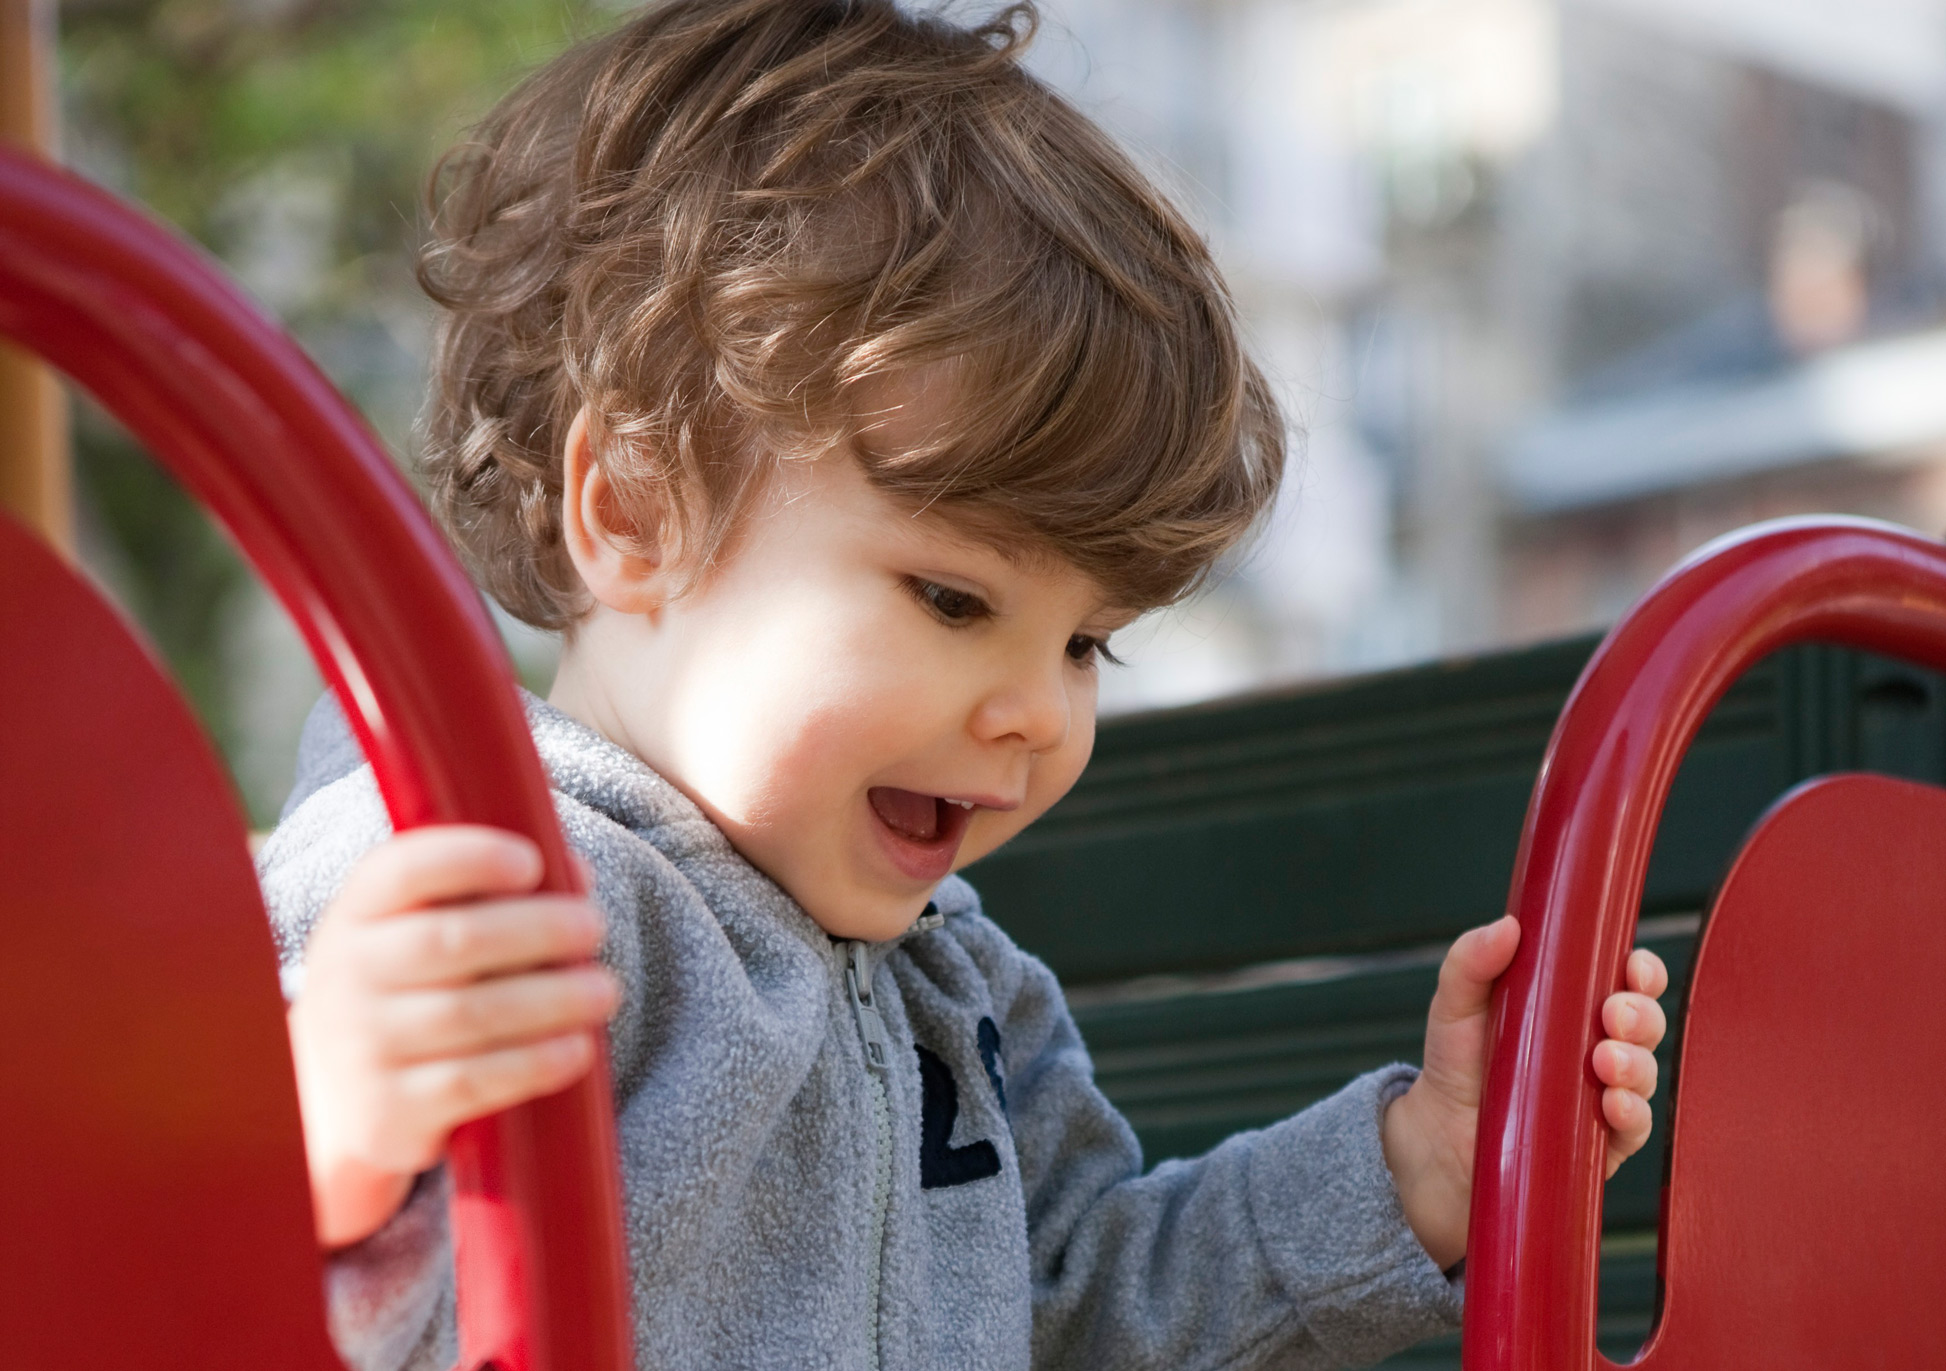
pixel 1559 289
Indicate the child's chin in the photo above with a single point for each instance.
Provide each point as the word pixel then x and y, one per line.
pixel 872 917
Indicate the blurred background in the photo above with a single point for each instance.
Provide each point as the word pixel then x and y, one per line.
pixel 1555 291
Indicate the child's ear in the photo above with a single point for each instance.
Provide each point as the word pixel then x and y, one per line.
pixel 621 567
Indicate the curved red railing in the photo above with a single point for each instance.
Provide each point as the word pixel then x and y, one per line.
pixel 1531 1271
pixel 234 409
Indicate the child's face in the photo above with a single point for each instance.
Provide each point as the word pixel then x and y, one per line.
pixel 838 692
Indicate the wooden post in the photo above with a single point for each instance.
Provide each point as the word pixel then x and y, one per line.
pixel 34 480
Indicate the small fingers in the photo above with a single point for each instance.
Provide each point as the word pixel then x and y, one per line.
pixel 1627 1116
pixel 454 945
pixel 438 864
pixel 457 1090
pixel 504 1012
pixel 1625 1066
pixel 1634 1019
pixel 1646 974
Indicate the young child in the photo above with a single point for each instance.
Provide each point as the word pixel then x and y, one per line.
pixel 837 391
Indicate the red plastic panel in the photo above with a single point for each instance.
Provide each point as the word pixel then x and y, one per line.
pixel 154 1211
pixel 1806 1196
pixel 1532 1255
pixel 230 405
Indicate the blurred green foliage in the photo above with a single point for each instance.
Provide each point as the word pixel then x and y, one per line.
pixel 196 97
pixel 293 139
pixel 173 572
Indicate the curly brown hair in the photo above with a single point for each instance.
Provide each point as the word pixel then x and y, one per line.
pixel 722 225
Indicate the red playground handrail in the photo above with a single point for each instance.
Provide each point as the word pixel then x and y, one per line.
pixel 234 409
pixel 1531 1269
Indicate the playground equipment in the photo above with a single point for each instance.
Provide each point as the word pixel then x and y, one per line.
pixel 1804 1188
pixel 155 1212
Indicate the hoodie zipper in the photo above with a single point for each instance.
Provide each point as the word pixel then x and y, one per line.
pixel 878 1061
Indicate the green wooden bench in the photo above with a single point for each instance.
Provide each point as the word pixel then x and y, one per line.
pixel 1247 900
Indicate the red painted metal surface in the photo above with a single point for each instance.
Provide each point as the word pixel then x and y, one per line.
pixel 230 405
pixel 1806 1196
pixel 1532 1257
pixel 154 1210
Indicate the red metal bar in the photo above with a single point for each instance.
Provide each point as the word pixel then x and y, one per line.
pixel 230 405
pixel 1532 1256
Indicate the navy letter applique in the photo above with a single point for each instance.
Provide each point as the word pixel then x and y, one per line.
pixel 940 1163
pixel 989 1038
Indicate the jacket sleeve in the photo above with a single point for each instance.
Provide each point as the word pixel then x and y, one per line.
pixel 1284 1247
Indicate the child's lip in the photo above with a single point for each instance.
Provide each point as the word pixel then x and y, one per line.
pixel 994 802
pixel 922 859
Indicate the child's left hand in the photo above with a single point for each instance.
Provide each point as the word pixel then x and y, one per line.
pixel 1428 1132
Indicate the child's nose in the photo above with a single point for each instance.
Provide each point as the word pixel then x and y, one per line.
pixel 1029 706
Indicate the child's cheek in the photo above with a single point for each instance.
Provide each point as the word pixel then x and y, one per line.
pixel 767 716
pixel 778 769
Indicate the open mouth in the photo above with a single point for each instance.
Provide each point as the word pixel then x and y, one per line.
pixel 923 831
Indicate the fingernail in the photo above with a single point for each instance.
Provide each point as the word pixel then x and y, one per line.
pixel 1628 1018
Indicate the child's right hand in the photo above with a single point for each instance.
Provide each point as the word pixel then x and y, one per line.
pixel 438 989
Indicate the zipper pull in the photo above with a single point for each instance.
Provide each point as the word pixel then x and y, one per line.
pixel 871 1028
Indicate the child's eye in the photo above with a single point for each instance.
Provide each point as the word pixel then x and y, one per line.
pixel 1087 650
pixel 956 607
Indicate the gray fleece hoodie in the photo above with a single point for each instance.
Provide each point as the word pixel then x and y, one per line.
pixel 852 1155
